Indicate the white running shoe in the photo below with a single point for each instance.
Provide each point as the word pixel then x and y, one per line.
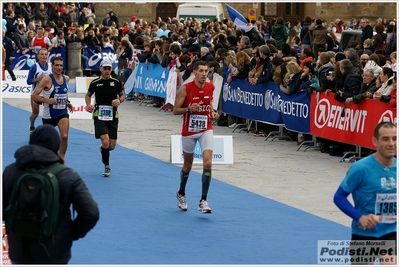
pixel 181 202
pixel 233 125
pixel 204 207
pixel 107 171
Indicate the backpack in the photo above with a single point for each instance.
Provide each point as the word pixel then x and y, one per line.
pixel 256 35
pixel 33 210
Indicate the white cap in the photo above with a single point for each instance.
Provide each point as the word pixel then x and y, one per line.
pixel 106 63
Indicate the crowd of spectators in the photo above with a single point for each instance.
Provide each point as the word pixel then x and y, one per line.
pixel 302 56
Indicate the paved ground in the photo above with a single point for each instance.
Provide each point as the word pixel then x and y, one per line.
pixel 273 169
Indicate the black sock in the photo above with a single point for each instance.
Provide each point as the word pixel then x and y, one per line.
pixel 105 155
pixel 183 182
pixel 206 181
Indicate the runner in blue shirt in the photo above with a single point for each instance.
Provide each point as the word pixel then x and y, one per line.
pixel 53 93
pixel 372 183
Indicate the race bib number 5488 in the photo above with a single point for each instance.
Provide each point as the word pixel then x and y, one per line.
pixel 198 123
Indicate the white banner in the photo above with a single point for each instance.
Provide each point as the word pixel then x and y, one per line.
pixel 171 85
pixel 80 109
pixel 82 84
pixel 18 88
pixel 222 150
pixel 218 82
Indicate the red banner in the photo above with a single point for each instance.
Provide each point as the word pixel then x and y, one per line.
pixel 352 125
pixel 6 259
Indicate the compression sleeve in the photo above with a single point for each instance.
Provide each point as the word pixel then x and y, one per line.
pixel 342 202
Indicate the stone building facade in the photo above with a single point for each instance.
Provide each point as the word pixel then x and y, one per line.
pixel 328 11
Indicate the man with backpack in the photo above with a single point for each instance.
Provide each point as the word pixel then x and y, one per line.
pixel 38 191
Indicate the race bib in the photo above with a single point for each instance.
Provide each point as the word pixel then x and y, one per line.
pixel 105 113
pixel 61 101
pixel 198 123
pixel 385 207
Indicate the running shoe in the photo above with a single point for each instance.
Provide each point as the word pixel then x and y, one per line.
pixel 181 201
pixel 259 133
pixel 31 129
pixel 233 125
pixel 204 207
pixel 107 171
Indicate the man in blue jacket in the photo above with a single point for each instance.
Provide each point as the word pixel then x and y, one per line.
pixel 367 31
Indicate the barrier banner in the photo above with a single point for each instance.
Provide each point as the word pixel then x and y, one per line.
pixel 151 79
pixel 171 85
pixel 258 102
pixel 352 125
pixel 58 52
pixel 6 259
pixel 94 59
pixel 24 62
pixel 16 89
pixel 295 110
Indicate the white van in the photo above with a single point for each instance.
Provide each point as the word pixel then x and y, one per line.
pixel 200 11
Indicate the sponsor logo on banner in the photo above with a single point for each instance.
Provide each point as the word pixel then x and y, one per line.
pixel 242 96
pixel 6 259
pixel 24 62
pixel 80 109
pixel 18 88
pixel 94 59
pixel 335 116
pixel 353 124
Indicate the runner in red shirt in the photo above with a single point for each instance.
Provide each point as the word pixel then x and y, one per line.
pixel 195 102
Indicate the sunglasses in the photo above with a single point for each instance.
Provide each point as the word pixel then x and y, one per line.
pixel 107 68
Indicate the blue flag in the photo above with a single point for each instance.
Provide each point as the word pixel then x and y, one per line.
pixel 238 19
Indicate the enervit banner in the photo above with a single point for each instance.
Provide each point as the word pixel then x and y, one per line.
pixel 352 125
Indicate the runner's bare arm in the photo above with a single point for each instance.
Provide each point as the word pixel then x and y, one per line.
pixel 178 108
pixel 44 84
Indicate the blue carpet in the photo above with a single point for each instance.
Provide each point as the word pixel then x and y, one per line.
pixel 140 223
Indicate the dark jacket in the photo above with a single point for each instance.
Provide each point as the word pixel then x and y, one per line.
pixel 66 18
pixel 208 57
pixel 82 19
pixel 367 33
pixel 10 51
pixel 115 19
pixel 321 74
pixel 349 83
pixel 72 191
pixel 305 35
pixel 41 14
pixel 11 28
pixel 296 81
pixel 266 75
pixel 279 33
pixel 364 88
pixel 21 41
